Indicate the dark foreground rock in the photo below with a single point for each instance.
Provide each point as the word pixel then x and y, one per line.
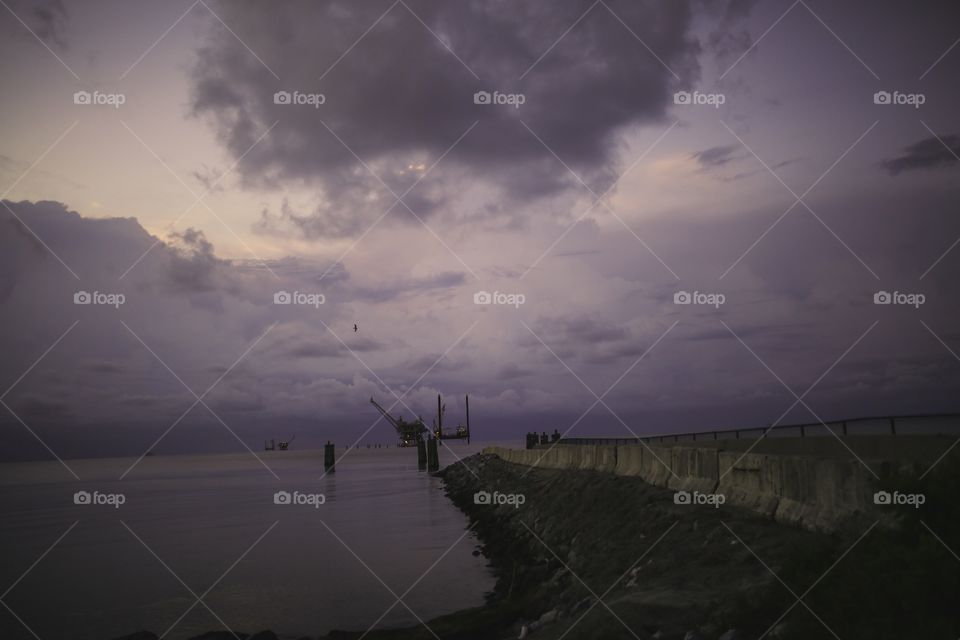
pixel 592 555
pixel 210 635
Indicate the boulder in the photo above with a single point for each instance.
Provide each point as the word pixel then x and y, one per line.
pixel 545 619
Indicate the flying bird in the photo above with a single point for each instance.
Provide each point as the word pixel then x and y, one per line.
pixel 354 328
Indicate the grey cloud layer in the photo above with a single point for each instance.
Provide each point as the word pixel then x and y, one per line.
pixel 930 153
pixel 799 300
pixel 400 97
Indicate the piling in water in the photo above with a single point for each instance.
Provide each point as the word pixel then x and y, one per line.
pixel 329 458
pixel 433 458
pixel 421 455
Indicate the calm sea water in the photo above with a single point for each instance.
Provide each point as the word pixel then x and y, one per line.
pixel 199 519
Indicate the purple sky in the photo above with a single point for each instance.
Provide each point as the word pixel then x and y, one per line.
pixel 787 192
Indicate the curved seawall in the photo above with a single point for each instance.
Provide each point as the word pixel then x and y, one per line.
pixel 815 483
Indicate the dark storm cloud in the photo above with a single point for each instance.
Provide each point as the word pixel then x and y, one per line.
pixel 47 19
pixel 197 313
pixel 929 153
pixel 194 265
pixel 722 155
pixel 589 339
pixel 395 111
pixel 322 222
pixel 717 156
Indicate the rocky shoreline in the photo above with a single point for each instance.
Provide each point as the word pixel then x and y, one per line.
pixel 588 554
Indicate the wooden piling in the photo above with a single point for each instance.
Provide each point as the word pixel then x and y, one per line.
pixel 329 458
pixel 433 458
pixel 421 455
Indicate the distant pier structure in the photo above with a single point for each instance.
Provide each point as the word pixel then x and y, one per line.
pixel 461 432
pixel 427 441
pixel 283 445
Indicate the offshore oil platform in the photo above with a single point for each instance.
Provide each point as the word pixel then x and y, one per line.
pixel 283 445
pixel 410 433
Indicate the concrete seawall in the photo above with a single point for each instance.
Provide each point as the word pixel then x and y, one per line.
pixel 812 482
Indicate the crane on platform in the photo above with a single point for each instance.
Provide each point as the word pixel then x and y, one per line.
pixel 408 433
